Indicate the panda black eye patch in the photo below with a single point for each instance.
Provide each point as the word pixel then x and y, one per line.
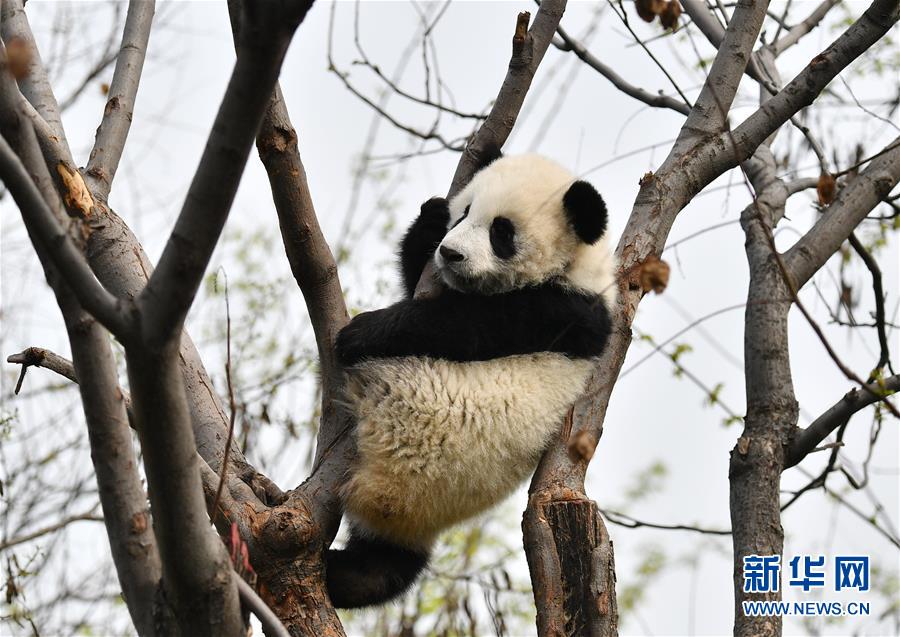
pixel 503 234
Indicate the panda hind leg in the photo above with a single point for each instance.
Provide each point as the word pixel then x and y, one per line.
pixel 370 571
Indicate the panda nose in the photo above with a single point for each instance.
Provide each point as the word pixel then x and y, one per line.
pixel 450 254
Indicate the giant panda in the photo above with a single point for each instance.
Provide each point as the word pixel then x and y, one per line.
pixel 457 396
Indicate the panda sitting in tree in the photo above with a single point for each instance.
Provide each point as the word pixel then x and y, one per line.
pixel 457 396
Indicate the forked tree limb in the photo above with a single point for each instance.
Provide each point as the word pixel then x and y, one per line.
pixel 67 258
pixel 710 111
pixel 800 92
pixel 854 201
pixel 120 263
pixel 132 542
pixel 794 35
pixel 168 295
pixel 693 163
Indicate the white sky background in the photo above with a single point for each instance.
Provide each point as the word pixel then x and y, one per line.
pixel 653 416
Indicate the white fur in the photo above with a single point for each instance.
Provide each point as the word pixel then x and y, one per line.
pixel 528 190
pixel 441 441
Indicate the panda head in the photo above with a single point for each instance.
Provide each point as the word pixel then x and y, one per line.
pixel 522 221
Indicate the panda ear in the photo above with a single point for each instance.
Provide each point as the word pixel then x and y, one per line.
pixel 586 211
pixel 487 156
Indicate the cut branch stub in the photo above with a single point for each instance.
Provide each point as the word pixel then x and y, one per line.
pixel 520 36
pixel 572 556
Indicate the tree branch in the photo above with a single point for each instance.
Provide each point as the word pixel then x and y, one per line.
pixel 850 207
pixel 113 130
pixel 838 414
pixel 87 516
pixel 654 100
pixel 622 519
pixel 806 86
pixel 121 493
pixel 710 110
pixel 68 259
pixel 169 293
pixel 884 356
pixel 794 35
pixel 35 85
pixel 528 51
pixel 196 568
pixel 40 357
pixel 310 258
pixel 271 625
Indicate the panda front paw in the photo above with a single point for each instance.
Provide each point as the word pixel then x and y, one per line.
pixel 353 342
pixel 436 209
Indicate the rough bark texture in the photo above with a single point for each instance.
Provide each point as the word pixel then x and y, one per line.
pixel 196 569
pixel 570 558
pixel 772 410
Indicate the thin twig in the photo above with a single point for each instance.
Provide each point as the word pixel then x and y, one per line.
pixel 87 516
pixel 622 519
pixel 884 357
pixel 232 406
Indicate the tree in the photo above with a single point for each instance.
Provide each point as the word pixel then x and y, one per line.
pixel 174 573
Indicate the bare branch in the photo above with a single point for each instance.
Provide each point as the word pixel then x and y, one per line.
pixel 622 519
pixel 113 130
pixel 132 542
pixel 68 259
pixel 271 625
pixel 265 36
pixel 87 516
pixel 793 36
pixel 806 86
pixel 884 356
pixel 311 261
pixel 528 51
pixel 710 111
pixel 40 357
pixel 657 101
pixel 705 20
pixel 195 563
pixel 838 414
pixel 125 508
pixel 850 207
pixel 35 85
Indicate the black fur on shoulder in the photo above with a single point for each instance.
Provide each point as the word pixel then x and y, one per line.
pixel 421 240
pixel 470 327
pixel 370 571
pixel 586 211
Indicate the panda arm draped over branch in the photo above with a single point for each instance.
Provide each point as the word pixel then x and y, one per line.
pixel 457 396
